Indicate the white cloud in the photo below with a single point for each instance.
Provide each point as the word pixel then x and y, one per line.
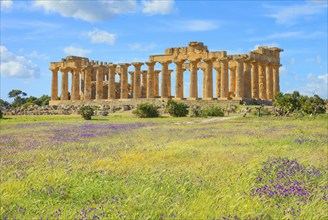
pixel 6 5
pixel 142 47
pixel 76 51
pixel 290 15
pixel 91 11
pixel 157 6
pixel 316 59
pixel 36 55
pixel 17 66
pixel 286 35
pixel 316 84
pixel 292 61
pixel 101 37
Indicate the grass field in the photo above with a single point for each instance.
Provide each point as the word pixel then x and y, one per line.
pixel 62 167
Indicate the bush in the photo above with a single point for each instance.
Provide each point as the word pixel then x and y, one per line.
pixel 195 112
pixel 146 110
pixel 1 114
pixel 176 109
pixel 212 111
pixel 87 112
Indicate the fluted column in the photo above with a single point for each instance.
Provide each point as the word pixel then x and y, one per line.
pixel 232 81
pixel 208 79
pixel 193 79
pixel 164 84
pixel 144 83
pixel 64 84
pixel 269 82
pixel 100 82
pixel 124 80
pixel 136 84
pixel 75 89
pixel 111 81
pixel 218 82
pixel 169 91
pixel 247 79
pixel 150 80
pixel 82 84
pixel 54 84
pixel 255 80
pixel 87 83
pixel 131 82
pixel 262 81
pixel 156 83
pixel 179 79
pixel 224 80
pixel 239 78
pixel 275 79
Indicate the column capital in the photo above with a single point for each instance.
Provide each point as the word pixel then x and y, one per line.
pixel 111 65
pixel 54 69
pixel 65 69
pixel 169 71
pixel 179 62
pixel 206 60
pixel 157 72
pixel 131 72
pixel 124 64
pixel 150 63
pixel 137 64
pixel 194 60
pixel 165 62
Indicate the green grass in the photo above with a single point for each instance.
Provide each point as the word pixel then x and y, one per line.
pixel 159 168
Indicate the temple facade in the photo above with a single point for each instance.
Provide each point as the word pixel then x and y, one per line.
pixel 244 76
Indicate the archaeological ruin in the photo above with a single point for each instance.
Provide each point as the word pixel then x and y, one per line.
pixel 237 77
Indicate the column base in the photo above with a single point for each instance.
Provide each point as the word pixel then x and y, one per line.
pixel 207 99
pixel 178 98
pixel 237 98
pixel 192 98
pixel 223 98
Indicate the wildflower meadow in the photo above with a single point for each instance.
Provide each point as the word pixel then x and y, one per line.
pixel 122 167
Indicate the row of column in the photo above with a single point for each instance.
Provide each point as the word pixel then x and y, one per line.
pixel 248 79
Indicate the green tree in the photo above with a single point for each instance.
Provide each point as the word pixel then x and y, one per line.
pixel 4 104
pixel 15 92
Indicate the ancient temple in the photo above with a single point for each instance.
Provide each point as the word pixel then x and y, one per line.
pixel 239 77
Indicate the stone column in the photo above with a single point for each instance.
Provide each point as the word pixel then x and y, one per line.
pixel 75 89
pixel 136 82
pixel 124 80
pixel 224 80
pixel 247 79
pixel 218 82
pixel 164 84
pixel 131 73
pixel 64 84
pixel 87 82
pixel 269 82
pixel 255 80
pixel 262 82
pixel 232 81
pixel 179 79
pixel 203 83
pixel 156 83
pixel 150 80
pixel 111 81
pixel 208 79
pixel 100 82
pixel 169 73
pixel 275 74
pixel 144 83
pixel 193 79
pixel 82 84
pixel 239 79
pixel 54 84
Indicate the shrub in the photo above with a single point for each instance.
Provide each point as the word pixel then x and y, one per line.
pixel 1 114
pixel 87 112
pixel 212 111
pixel 195 112
pixel 176 109
pixel 146 110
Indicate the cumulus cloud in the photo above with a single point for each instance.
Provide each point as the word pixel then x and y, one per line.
pixel 316 84
pixel 91 11
pixel 76 51
pixel 157 6
pixel 290 15
pixel 36 55
pixel 17 66
pixel 101 37
pixel 6 5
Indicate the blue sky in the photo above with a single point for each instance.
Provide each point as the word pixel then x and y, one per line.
pixel 34 33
